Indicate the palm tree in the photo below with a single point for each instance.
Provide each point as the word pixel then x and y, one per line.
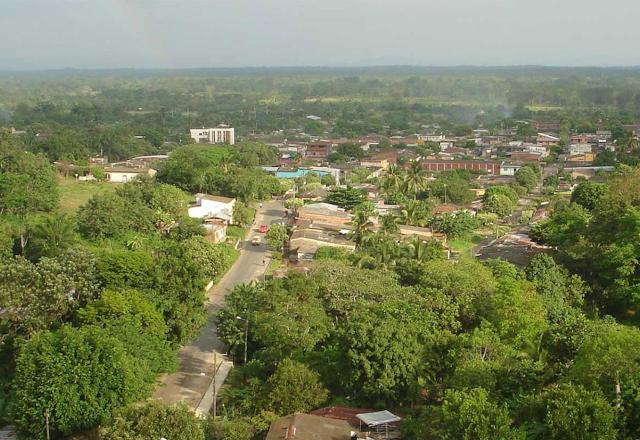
pixel 389 224
pixel 362 225
pixel 414 180
pixel 420 250
pixel 378 252
pixel 51 236
pixel 415 213
pixel 392 180
pixel 387 254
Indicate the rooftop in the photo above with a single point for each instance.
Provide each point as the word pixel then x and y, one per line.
pixel 308 427
pixel 220 199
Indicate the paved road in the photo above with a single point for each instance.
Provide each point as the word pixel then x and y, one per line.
pixel 193 382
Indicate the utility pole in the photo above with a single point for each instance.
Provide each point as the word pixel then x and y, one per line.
pixel 215 387
pixel 445 193
pixel 46 421
pixel 246 339
pixel 246 335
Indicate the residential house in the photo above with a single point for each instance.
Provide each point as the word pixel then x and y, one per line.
pixel 542 150
pixel 127 174
pixel 525 156
pixel 583 138
pixel 370 162
pixel 422 233
pixel 318 150
pixel 143 161
pixel 309 427
pixel 213 207
pixel 431 137
pixel 304 243
pixel 579 149
pixel 580 158
pixel 445 208
pixel 216 229
pixel 323 213
pixel 587 172
pixel 477 192
pixel 553 127
pixel 547 140
pixel 98 160
pixel 509 169
pixel 369 189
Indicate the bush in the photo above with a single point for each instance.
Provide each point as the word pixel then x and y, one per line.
pixel 243 214
pixel 527 177
pixel 212 259
pixel 507 191
pixel 499 204
pixel 294 388
pixel 454 224
pixel 588 194
pixel 331 253
pixel 154 420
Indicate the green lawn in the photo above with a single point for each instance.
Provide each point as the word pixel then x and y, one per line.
pixel 463 245
pixel 75 194
pixel 275 263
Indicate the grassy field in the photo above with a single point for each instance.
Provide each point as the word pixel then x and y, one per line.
pixel 544 108
pixel 463 245
pixel 75 194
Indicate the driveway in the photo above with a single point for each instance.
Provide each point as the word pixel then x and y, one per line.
pixel 193 382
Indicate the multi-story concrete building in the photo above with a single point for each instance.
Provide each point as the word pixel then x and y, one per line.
pixel 222 134
pixel 447 165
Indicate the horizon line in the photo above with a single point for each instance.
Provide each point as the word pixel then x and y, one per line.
pixel 321 67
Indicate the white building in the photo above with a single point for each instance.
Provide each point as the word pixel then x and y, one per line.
pixel 125 174
pixel 207 207
pixel 509 169
pixel 538 149
pixel 431 137
pixel 222 134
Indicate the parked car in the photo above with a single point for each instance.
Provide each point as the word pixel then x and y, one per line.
pixel 256 240
pixel 263 229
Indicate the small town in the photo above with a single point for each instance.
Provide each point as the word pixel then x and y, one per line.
pixel 303 236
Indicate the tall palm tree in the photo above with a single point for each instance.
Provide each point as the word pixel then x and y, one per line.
pixel 52 235
pixel 415 179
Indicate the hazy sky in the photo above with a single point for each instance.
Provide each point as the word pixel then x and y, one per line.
pixel 38 34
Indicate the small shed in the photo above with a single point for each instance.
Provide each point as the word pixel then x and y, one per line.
pixel 381 422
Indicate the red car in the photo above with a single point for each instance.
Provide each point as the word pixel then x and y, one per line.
pixel 263 229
